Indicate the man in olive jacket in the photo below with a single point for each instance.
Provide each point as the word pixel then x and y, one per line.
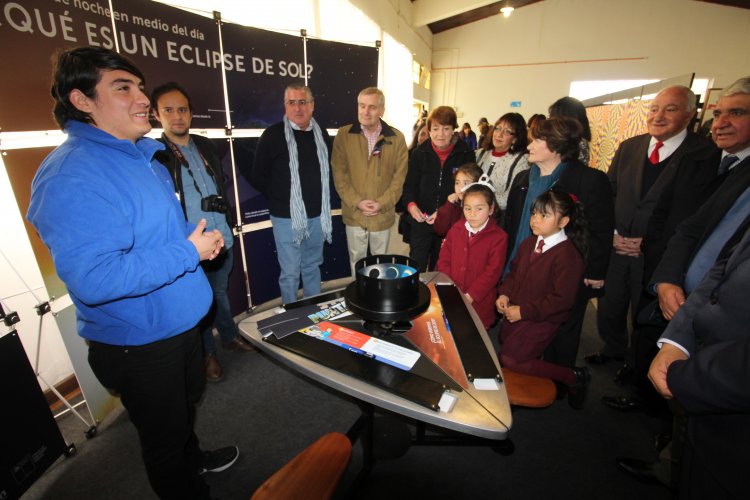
pixel 369 165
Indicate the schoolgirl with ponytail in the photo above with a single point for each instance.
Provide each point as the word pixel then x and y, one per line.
pixel 540 289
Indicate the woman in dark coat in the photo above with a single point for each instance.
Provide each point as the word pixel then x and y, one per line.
pixel 429 181
pixel 555 146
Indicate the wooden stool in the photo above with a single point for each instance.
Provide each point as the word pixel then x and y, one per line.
pixel 313 474
pixel 529 390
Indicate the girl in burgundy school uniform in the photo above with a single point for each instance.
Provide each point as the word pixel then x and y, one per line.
pixel 452 210
pixel 541 288
pixel 473 253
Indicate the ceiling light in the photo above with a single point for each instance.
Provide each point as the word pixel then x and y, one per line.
pixel 506 11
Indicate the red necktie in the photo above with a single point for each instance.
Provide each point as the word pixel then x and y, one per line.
pixel 654 158
pixel 539 246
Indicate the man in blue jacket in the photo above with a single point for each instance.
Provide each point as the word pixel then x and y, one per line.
pixel 107 211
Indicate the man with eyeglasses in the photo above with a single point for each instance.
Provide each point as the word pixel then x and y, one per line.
pixel 292 171
pixel 369 166
pixel 198 178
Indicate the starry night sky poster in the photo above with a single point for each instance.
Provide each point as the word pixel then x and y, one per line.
pixel 272 61
pixel 167 44
pixel 339 72
pixel 173 45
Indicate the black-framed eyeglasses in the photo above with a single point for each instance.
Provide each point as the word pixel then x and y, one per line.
pixel 504 131
pixel 300 102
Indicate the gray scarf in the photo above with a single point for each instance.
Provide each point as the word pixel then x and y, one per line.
pixel 296 204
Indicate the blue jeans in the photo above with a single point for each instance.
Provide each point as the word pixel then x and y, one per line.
pixel 303 258
pixel 220 315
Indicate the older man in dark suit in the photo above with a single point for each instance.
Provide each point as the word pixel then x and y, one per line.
pixel 689 247
pixel 704 363
pixel 641 168
pixel 698 243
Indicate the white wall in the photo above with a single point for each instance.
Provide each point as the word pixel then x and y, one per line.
pixel 501 60
pixel 22 288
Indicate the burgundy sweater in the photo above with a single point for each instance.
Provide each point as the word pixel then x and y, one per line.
pixel 546 290
pixel 447 215
pixel 475 264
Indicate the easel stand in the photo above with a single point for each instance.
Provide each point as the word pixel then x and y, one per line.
pixel 42 309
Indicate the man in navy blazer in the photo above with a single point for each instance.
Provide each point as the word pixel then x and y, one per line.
pixel 641 168
pixel 704 363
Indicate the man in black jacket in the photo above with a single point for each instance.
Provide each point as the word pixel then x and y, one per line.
pixel 198 178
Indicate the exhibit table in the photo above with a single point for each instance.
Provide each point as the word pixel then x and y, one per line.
pixel 443 371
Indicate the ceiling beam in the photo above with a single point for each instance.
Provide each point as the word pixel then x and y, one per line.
pixel 430 11
pixel 492 9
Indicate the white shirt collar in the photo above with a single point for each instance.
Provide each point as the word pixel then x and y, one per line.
pixel 669 147
pixel 297 127
pixel 552 240
pixel 475 231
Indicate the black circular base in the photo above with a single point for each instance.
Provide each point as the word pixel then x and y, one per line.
pixel 367 313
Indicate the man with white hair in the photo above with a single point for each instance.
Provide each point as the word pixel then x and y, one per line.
pixel 641 168
pixel 291 170
pixel 369 164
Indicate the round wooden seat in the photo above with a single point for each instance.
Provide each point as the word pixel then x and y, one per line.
pixel 313 474
pixel 529 390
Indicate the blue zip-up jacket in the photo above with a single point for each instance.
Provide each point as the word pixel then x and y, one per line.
pixel 118 238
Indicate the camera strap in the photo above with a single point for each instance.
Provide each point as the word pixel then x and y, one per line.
pixel 183 161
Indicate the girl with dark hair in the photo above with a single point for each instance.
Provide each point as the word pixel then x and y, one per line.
pixel 429 181
pixel 506 156
pixel 554 153
pixel 540 290
pixel 452 209
pixel 573 108
pixel 474 251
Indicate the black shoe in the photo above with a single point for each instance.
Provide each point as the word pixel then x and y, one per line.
pixel 623 403
pixel 624 375
pixel 599 358
pixel 638 469
pixel 219 460
pixel 577 392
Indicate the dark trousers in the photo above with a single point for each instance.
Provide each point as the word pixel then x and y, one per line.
pixel 644 350
pixel 563 349
pixel 159 384
pixel 623 290
pixel 424 245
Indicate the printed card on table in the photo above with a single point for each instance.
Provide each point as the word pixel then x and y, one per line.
pixel 364 344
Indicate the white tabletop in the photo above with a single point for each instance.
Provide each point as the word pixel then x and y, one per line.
pixel 481 413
